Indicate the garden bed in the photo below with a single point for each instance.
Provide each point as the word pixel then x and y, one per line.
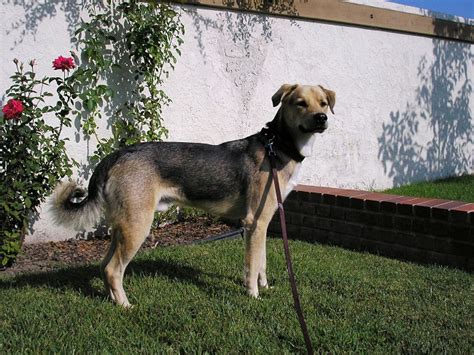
pixel 40 257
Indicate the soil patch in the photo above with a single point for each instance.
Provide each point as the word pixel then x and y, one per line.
pixel 42 257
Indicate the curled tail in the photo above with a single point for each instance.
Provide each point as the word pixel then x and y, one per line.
pixel 73 207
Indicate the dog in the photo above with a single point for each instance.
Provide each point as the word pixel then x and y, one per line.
pixel 232 180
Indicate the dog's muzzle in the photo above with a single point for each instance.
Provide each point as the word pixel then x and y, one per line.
pixel 317 125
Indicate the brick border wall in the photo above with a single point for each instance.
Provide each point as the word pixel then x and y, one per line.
pixel 416 229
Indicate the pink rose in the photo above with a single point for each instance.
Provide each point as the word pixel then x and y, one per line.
pixel 63 63
pixel 13 109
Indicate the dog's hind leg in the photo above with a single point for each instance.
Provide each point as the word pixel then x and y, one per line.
pixel 127 238
pixel 106 260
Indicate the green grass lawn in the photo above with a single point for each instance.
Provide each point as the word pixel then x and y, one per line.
pixel 455 188
pixel 190 299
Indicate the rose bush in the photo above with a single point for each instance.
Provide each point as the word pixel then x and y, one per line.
pixel 32 150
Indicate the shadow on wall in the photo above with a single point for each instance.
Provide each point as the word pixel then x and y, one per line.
pixel 442 106
pixel 241 25
pixel 37 11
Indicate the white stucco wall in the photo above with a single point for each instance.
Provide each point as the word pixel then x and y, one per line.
pixel 404 103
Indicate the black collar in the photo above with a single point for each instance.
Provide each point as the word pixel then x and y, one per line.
pixel 271 138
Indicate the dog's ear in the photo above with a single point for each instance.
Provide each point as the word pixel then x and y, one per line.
pixel 331 95
pixel 285 90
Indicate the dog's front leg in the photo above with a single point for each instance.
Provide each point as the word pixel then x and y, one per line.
pixel 262 273
pixel 255 258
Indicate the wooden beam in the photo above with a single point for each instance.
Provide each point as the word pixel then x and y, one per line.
pixel 338 11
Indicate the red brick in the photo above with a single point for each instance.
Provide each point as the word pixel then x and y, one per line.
pixel 317 222
pixel 461 217
pixel 458 248
pixel 377 196
pixel 461 214
pixel 461 232
pixel 307 208
pixel 354 215
pixel 346 241
pixel 402 223
pixel 357 203
pixel 349 193
pixel 316 198
pixel 293 231
pixel 438 228
pixel 419 225
pixel 294 218
pixel 374 206
pixel 372 218
pixel 329 199
pixel 306 234
pixel 424 209
pixel 337 212
pixel 407 208
pixel 386 220
pixel 314 235
pixel 322 210
pixel 388 206
pixel 408 239
pixel 343 201
pixel 347 228
pixel 291 205
pixel 301 196
pixel 344 197
pixel 373 201
pixel 442 211
pixel 308 188
pixel 274 228
pixel 380 234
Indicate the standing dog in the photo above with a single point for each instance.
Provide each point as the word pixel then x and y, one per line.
pixel 231 179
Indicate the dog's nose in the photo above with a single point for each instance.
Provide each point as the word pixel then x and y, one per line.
pixel 320 118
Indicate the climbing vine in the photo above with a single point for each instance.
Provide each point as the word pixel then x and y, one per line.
pixel 126 54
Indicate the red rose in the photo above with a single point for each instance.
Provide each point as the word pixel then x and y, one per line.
pixel 12 109
pixel 64 63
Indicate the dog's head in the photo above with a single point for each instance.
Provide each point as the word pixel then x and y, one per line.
pixel 304 108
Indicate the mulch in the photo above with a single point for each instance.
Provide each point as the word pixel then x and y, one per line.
pixel 43 257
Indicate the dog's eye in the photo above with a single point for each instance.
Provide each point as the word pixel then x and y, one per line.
pixel 324 104
pixel 302 103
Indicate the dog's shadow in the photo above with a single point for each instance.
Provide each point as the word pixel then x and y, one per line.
pixel 81 278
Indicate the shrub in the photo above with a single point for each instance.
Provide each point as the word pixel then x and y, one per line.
pixel 32 151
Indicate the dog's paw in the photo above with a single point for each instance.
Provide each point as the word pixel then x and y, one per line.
pixel 267 287
pixel 126 306
pixel 252 293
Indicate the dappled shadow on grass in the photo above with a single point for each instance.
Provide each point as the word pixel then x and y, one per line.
pixel 80 278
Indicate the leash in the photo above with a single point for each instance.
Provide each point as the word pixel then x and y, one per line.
pixel 289 266
pixel 226 235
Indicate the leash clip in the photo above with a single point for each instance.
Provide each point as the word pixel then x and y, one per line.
pixel 269 142
pixel 269 148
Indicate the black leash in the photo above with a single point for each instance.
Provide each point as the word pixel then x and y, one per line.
pixel 291 275
pixel 226 235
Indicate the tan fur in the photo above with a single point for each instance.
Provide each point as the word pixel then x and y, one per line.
pixel 135 189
